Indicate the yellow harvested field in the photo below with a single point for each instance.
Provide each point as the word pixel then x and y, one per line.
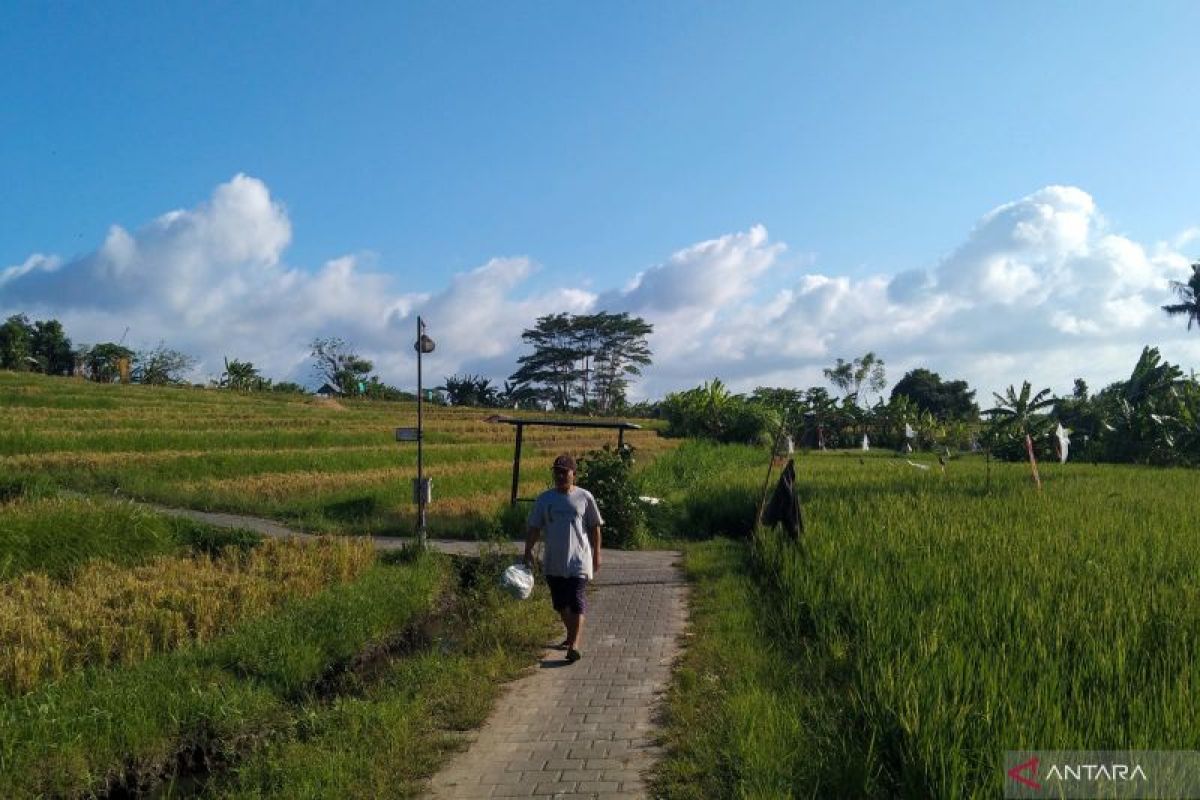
pixel 278 485
pixel 109 614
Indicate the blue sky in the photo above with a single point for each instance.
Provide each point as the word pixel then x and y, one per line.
pixel 596 140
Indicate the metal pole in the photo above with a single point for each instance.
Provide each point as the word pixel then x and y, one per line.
pixel 420 442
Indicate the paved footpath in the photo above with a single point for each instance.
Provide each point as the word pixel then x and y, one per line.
pixel 583 730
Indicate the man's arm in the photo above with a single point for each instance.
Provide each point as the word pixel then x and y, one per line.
pixel 530 540
pixel 594 539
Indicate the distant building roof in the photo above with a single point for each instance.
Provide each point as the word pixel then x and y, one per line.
pixel 328 388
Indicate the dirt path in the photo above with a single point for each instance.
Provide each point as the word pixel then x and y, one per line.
pixel 583 730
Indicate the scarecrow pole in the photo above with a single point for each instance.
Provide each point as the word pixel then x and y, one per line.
pixel 1037 479
pixel 762 500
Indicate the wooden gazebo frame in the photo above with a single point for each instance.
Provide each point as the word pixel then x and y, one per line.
pixel 520 424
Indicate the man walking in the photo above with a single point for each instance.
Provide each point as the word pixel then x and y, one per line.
pixel 569 519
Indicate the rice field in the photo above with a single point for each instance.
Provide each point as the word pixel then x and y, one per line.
pixel 146 655
pixel 110 614
pixel 927 623
pixel 320 465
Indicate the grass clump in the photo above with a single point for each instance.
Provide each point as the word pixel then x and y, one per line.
pixel 55 535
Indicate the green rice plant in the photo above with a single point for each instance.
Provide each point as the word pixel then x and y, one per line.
pixel 933 620
pixel 55 535
pixel 292 650
pixel 971 623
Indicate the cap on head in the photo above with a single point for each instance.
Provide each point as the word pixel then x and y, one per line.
pixel 564 462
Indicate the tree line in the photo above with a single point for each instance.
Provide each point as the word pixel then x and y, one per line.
pixel 43 346
pixel 1152 417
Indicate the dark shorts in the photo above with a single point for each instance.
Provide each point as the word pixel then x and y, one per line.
pixel 568 594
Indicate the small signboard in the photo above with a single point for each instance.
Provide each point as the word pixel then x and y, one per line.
pixel 422 491
pixel 407 434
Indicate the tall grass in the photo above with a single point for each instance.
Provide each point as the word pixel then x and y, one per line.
pixel 55 535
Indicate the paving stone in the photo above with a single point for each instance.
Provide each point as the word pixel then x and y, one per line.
pixel 587 729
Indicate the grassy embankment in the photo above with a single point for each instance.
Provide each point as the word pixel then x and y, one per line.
pixel 929 623
pixel 320 466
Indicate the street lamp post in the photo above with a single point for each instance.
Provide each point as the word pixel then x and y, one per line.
pixel 423 345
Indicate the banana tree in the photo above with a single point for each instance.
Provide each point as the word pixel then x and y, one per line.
pixel 1145 415
pixel 1015 416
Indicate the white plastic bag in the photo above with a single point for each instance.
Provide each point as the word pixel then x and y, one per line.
pixel 518 581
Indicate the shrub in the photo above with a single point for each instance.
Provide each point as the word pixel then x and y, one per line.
pixel 607 474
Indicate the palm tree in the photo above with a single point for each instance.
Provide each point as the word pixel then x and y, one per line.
pixel 1189 298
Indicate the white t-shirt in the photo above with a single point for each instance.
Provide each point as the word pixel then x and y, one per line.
pixel 564 520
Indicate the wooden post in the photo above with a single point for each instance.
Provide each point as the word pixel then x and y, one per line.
pixel 517 464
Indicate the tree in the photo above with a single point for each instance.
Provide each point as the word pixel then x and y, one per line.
pixel 713 412
pixel 1144 416
pixel 336 363
pixel 101 361
pixel 552 366
pixel 470 390
pixel 945 400
pixel 242 376
pixel 16 341
pixel 586 358
pixel 161 366
pixel 622 351
pixel 1017 415
pixel 51 347
pixel 1189 298
pixel 851 376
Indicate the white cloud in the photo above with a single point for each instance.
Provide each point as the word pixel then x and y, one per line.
pixel 1039 289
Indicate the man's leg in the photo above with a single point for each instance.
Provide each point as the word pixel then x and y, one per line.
pixel 565 615
pixel 574 623
pixel 576 608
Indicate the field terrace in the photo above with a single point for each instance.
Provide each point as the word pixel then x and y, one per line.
pixel 321 465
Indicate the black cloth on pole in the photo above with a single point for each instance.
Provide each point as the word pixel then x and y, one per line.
pixel 784 507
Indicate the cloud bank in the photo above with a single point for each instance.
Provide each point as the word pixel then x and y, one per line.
pixel 1039 289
